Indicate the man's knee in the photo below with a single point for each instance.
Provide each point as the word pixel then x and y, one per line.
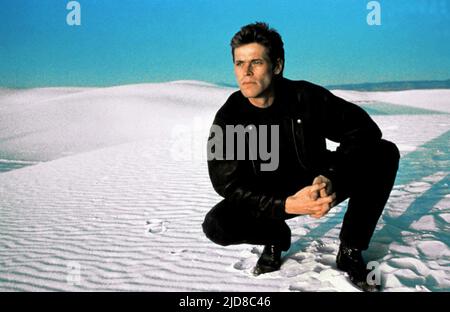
pixel 390 153
pixel 213 228
pixel 377 162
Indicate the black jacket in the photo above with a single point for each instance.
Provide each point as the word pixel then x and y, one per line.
pixel 310 115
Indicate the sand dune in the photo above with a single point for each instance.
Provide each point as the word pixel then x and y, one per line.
pixel 121 188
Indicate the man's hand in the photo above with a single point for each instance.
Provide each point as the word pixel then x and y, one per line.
pixel 323 193
pixel 328 190
pixel 307 201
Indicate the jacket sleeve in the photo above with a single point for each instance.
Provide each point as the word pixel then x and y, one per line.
pixel 235 181
pixel 345 123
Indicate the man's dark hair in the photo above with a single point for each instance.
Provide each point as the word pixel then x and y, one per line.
pixel 261 33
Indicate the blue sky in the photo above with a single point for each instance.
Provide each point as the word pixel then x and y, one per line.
pixel 136 41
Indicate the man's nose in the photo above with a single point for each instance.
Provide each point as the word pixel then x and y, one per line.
pixel 248 69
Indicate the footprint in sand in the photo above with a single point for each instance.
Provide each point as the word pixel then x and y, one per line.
pixel 156 226
pixel 256 251
pixel 248 261
pixel 244 264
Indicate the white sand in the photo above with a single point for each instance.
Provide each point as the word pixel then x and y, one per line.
pixel 437 99
pixel 117 199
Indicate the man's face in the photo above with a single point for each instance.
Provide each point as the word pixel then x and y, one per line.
pixel 254 71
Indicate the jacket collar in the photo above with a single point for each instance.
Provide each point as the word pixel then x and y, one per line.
pixel 288 96
pixel 285 94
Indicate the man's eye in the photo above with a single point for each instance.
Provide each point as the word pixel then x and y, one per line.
pixel 257 62
pixel 238 63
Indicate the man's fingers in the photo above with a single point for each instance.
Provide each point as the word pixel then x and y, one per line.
pixel 316 215
pixel 317 187
pixel 333 197
pixel 317 204
pixel 325 200
pixel 325 203
pixel 314 195
pixel 322 206
pixel 313 208
pixel 317 180
pixel 323 192
pixel 315 190
pixel 329 187
pixel 323 210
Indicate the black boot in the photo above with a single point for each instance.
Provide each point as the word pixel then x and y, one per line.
pixel 269 261
pixel 350 260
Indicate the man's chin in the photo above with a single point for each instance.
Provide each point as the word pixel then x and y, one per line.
pixel 248 95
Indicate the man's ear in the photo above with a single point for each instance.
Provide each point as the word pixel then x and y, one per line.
pixel 278 67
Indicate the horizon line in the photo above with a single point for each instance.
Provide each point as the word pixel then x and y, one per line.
pixel 351 86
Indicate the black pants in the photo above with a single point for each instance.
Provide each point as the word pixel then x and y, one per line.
pixel 366 177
